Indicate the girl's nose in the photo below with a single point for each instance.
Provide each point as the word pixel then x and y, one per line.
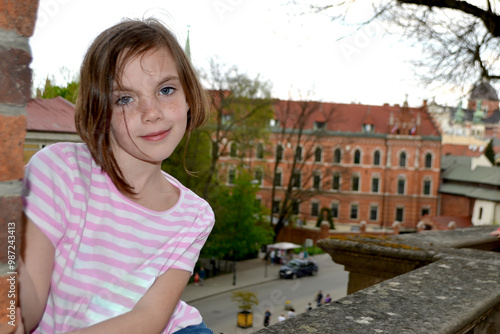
pixel 151 109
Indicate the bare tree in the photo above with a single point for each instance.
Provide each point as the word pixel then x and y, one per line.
pixel 242 108
pixel 297 136
pixel 460 40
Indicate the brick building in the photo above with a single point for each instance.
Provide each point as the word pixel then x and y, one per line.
pixel 17 19
pixel 378 164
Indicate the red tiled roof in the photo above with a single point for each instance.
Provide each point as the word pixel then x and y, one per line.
pixel 350 117
pixel 50 115
pixel 462 150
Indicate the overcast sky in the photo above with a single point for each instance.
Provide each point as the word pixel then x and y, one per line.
pixel 296 53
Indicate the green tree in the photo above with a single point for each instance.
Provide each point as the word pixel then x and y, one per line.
pixel 69 91
pixel 240 229
pixel 190 164
pixel 490 153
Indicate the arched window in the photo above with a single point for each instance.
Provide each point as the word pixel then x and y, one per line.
pixel 233 151
pixel 376 158
pixel 279 152
pixel 298 153
pixel 402 159
pixel 428 160
pixel 357 157
pixel 259 152
pixel 318 152
pixel 337 156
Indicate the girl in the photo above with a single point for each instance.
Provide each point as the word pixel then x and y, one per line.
pixel 111 240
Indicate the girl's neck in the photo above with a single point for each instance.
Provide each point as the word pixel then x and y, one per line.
pixel 153 190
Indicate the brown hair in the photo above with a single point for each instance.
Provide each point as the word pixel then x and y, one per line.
pixel 103 65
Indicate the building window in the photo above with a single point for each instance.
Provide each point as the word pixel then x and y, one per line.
pixel 231 176
pixel 295 207
pixel 259 154
pixel 314 209
pixel 317 180
pixel 400 212
pixel 279 152
pixel 297 179
pixel 375 185
pixel 357 157
pixel 354 211
pixel 319 125
pixel 276 206
pixel 402 159
pixel 427 187
pixel 298 153
pixel 233 152
pixel 428 160
pixel 355 183
pixel 336 181
pixel 334 208
pixel 277 178
pixel 317 154
pixel 258 175
pixel 425 211
pixel 401 186
pixel 373 212
pixel 376 158
pixel 337 156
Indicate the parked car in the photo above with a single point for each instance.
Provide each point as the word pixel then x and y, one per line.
pixel 298 268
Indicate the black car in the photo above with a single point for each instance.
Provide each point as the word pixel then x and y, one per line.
pixel 298 268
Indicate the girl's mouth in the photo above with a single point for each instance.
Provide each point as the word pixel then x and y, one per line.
pixel 156 136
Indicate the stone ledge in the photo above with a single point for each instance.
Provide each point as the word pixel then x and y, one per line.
pixel 453 290
pixel 443 297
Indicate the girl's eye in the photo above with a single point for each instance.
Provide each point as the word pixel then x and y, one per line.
pixel 167 90
pixel 122 100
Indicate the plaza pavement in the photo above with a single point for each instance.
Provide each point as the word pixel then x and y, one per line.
pixel 248 273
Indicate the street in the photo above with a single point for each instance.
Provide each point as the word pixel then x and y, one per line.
pixel 220 313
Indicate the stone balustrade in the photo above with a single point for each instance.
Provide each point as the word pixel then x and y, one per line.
pixel 429 282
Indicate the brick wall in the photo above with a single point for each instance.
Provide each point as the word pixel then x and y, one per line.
pixel 17 19
pixel 458 206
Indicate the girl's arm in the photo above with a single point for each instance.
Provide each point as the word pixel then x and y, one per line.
pixel 496 233
pixel 35 269
pixel 152 312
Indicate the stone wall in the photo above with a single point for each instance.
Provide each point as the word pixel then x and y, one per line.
pixel 17 20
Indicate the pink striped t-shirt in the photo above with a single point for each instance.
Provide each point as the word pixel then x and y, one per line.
pixel 109 250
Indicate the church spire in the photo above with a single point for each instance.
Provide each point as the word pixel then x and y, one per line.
pixel 187 48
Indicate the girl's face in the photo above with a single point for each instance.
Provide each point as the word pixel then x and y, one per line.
pixel 149 115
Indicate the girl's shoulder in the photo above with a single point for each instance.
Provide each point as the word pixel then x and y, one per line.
pixel 188 198
pixel 65 152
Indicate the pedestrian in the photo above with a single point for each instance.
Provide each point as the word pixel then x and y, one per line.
pixel 212 262
pixel 328 299
pixel 273 256
pixel 85 203
pixel 281 317
pixel 319 298
pixel 309 307
pixel 196 279
pixel 267 317
pixel 291 313
pixel 202 275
